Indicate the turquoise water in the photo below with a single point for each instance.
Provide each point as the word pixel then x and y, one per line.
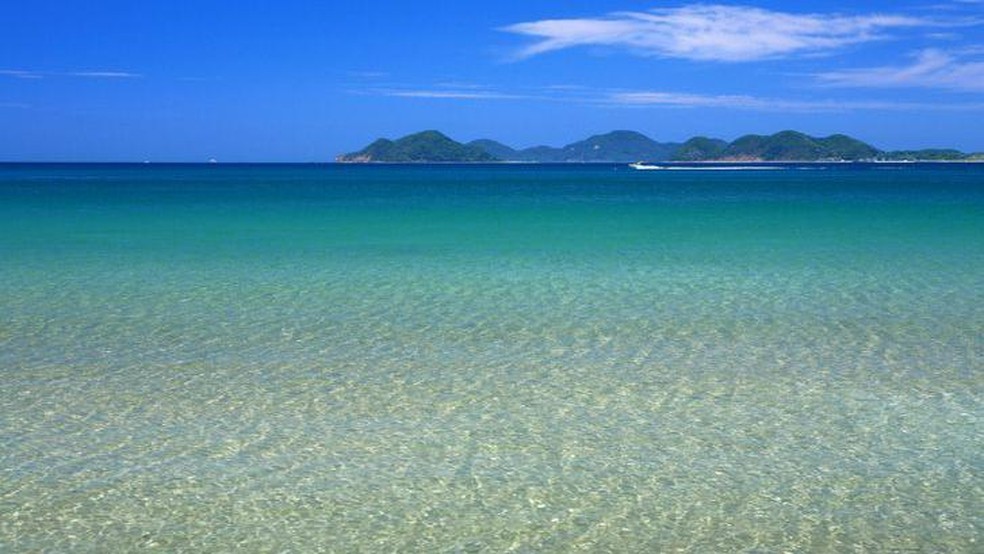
pixel 491 358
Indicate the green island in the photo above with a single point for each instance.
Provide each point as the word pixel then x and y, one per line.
pixel 630 146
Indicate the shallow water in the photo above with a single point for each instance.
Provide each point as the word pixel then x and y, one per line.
pixel 529 358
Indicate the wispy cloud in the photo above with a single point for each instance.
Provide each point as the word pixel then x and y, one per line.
pixel 21 74
pixel 689 100
pixel 32 74
pixel 14 105
pixel 713 32
pixel 368 74
pixel 105 74
pixel 931 69
pixel 754 103
pixel 577 94
pixel 609 97
pixel 448 94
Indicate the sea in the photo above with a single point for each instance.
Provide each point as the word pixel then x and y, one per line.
pixel 491 358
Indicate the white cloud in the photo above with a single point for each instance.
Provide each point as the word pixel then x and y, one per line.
pixel 754 103
pixel 712 32
pixel 931 69
pixel 105 74
pixel 368 74
pixel 578 94
pixel 21 74
pixel 25 74
pixel 448 90
pixel 687 100
pixel 450 94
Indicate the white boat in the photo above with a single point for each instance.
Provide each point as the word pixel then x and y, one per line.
pixel 641 166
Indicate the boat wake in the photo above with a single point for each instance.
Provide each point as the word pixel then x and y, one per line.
pixel 648 167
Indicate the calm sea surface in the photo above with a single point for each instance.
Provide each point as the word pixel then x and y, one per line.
pixel 491 358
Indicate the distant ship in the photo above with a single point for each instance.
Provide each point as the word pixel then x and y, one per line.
pixel 642 166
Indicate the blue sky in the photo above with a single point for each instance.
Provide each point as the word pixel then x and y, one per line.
pixel 304 81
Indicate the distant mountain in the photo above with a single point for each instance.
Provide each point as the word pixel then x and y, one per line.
pixel 929 154
pixel 542 154
pixel 427 146
pixel 793 145
pixel 844 147
pixel 700 148
pixel 630 146
pixel 494 148
pixel 616 146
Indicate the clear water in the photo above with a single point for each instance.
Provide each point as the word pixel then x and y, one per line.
pixel 528 359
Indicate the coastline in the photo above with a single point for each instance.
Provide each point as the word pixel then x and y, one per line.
pixel 13 163
pixel 667 162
